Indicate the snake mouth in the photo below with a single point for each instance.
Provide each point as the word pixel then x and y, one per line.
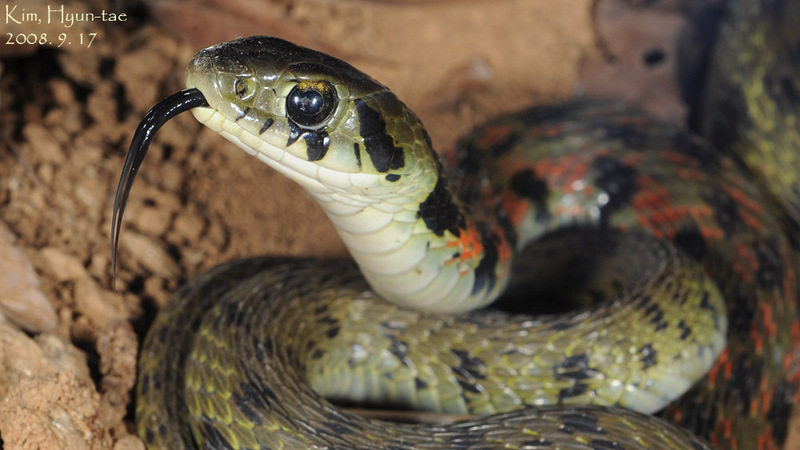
pixel 160 114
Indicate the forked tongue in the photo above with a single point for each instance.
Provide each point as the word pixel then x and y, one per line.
pixel 159 115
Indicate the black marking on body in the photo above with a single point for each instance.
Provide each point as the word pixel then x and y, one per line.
pixel 162 333
pixel 230 312
pixel 508 228
pixel 698 417
pixel 602 444
pixel 632 136
pixel 399 349
pixel 420 384
pixel 156 380
pixel 213 437
pixel 337 427
pixel 469 387
pixel 649 356
pixel 575 368
pixel 485 275
pixel 265 349
pixel 327 320
pixel 144 386
pixel 732 115
pixel 439 211
pixel 550 113
pixel 656 315
pixel 744 380
pixel 267 124
pixel 691 147
pixel 392 177
pixel 527 185
pixel 258 395
pixel 468 365
pixel 686 330
pixel 394 325
pixel 333 332
pixel 691 241
pixel 580 423
pixel 561 325
pixel 575 390
pixel 380 146
pixel 317 143
pixel 542 442
pixel 771 269
pixel 725 210
pixel 780 85
pixel 357 152
pixel 618 180
pixel 780 411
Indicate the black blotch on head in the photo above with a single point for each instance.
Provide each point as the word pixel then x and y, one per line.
pixel 317 143
pixel 357 152
pixel 294 133
pixel 380 146
pixel 392 177
pixel 267 123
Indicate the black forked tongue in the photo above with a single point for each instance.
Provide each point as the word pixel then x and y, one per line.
pixel 165 110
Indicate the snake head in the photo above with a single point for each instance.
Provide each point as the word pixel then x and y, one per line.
pixel 312 117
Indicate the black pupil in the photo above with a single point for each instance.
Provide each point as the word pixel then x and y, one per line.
pixel 309 107
pixel 308 102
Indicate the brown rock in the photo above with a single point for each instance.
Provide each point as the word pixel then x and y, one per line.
pixel 21 301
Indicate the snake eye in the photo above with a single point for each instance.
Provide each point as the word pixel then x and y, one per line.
pixel 311 104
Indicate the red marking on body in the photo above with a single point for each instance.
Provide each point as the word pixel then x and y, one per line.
pixel 764 440
pixel 721 361
pixel 677 158
pixel 493 136
pixel 769 323
pixel 469 245
pixel 515 207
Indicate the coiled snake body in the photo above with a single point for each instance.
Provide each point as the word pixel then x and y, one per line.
pixel 656 228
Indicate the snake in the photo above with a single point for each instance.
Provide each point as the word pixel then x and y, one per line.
pixel 664 265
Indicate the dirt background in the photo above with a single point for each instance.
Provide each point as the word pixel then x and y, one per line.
pixel 68 339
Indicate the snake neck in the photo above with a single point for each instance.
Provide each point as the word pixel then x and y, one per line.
pixel 422 247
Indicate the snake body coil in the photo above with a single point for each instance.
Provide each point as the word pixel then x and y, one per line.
pixel 656 230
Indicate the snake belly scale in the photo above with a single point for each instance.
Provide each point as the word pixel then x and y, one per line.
pixel 692 278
